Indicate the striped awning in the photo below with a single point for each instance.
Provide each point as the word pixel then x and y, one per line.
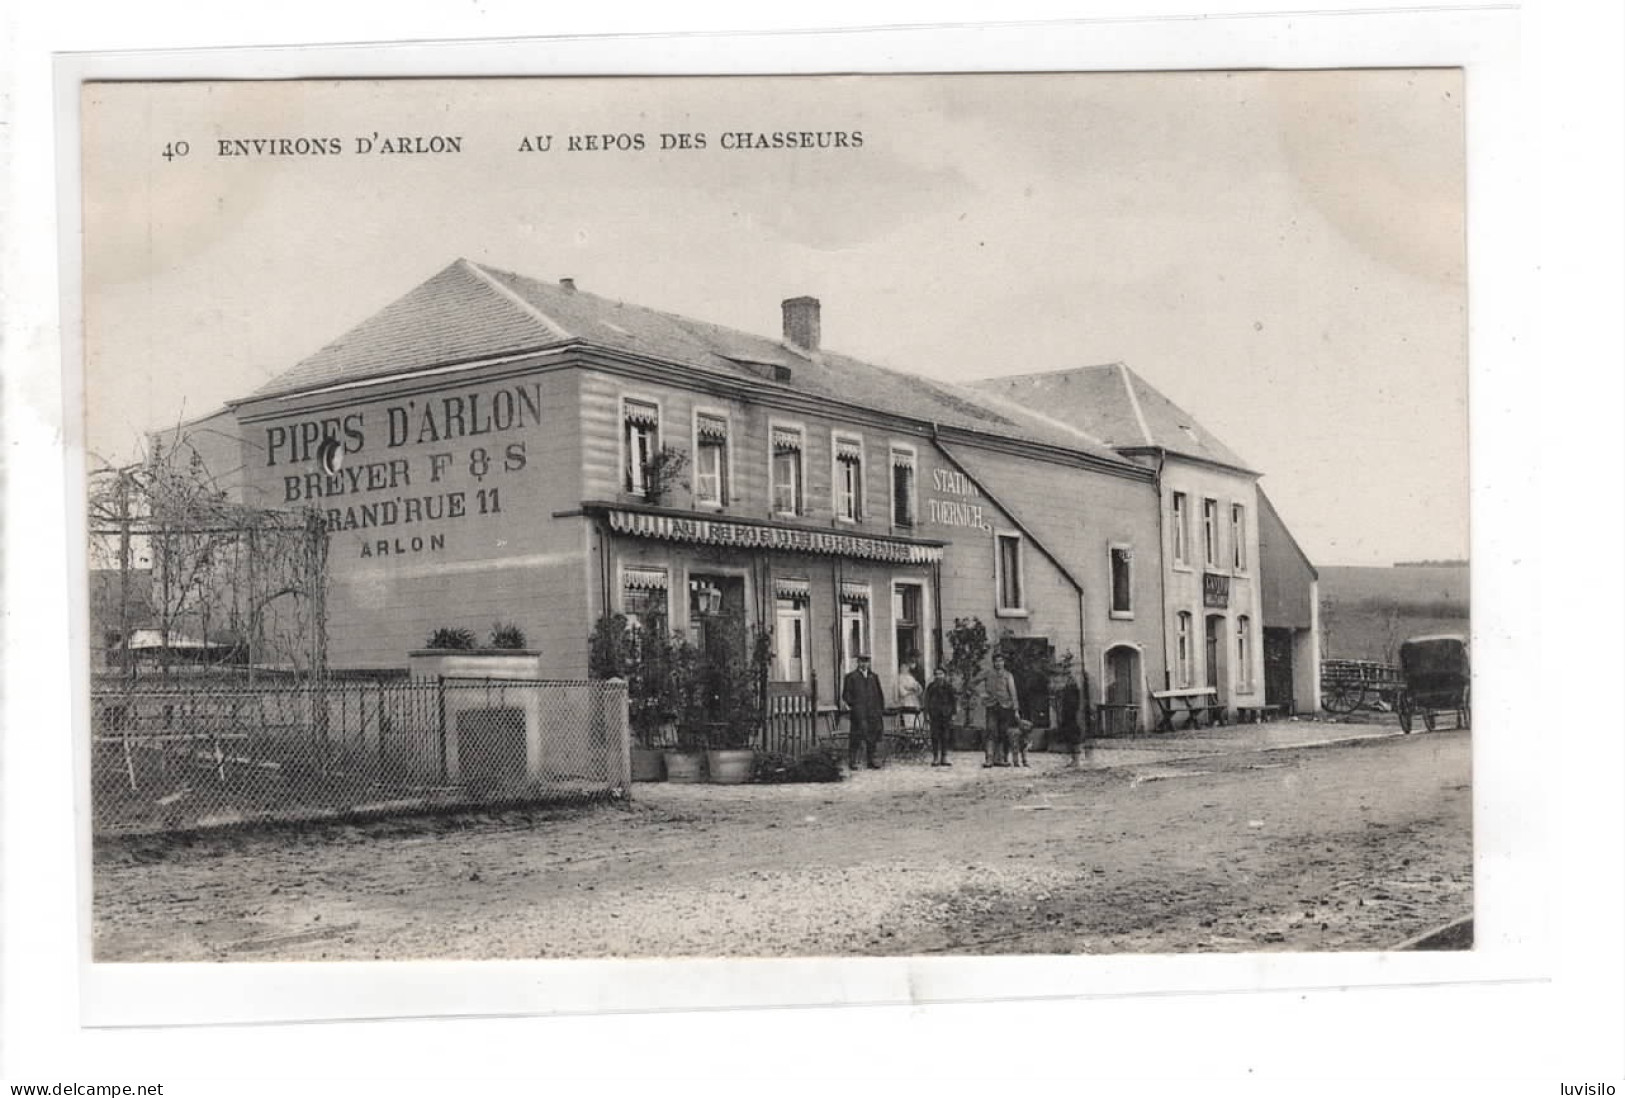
pixel 712 429
pixel 643 579
pixel 854 592
pixel 788 539
pixel 796 590
pixel 641 414
pixel 786 441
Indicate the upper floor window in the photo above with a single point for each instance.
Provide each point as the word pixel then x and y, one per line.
pixel 710 459
pixel 902 486
pixel 787 473
pixel 642 427
pixel 1210 532
pixel 1238 537
pixel 848 478
pixel 1181 529
pixel 1007 573
pixel 1122 565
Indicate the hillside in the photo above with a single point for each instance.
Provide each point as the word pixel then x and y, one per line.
pixel 1366 612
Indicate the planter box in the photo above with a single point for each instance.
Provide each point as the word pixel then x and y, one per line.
pixel 648 765
pixel 731 767
pixel 685 766
pixel 474 663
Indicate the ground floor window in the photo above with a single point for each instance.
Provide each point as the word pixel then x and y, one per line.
pixel 854 625
pixel 716 609
pixel 644 598
pixel 1244 652
pixel 908 618
pixel 1183 642
pixel 791 658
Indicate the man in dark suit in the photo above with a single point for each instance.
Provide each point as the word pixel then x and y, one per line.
pixel 865 707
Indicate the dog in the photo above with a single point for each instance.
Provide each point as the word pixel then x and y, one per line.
pixel 1018 742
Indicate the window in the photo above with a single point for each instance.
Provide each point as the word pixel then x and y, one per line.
pixel 1181 529
pixel 787 471
pixel 1210 532
pixel 710 459
pixel 1238 537
pixel 644 599
pixel 854 624
pixel 907 599
pixel 1244 652
pixel 716 612
pixel 790 662
pixel 848 479
pixel 1008 578
pixel 902 486
pixel 1182 650
pixel 642 442
pixel 1122 560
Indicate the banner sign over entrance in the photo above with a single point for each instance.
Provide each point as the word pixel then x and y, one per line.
pixel 783 538
pixel 1215 590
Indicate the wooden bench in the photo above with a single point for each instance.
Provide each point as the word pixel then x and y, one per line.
pixel 1192 702
pixel 1246 714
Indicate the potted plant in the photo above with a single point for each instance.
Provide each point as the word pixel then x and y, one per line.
pixel 733 680
pixel 660 685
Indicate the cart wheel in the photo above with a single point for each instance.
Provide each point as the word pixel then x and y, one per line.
pixel 1344 697
pixel 1405 711
pixel 1430 719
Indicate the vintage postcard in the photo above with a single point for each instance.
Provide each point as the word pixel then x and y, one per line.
pixel 892 516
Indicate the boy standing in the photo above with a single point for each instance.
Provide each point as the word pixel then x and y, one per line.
pixel 940 704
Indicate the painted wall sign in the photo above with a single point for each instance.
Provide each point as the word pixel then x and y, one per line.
pixel 1215 590
pixel 426 484
pixel 966 510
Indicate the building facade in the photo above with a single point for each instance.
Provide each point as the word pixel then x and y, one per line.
pixel 492 448
pixel 1212 563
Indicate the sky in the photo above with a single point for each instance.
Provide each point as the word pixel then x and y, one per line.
pixel 1282 254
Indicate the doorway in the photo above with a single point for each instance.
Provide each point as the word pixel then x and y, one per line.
pixel 1278 669
pixel 1120 705
pixel 1215 653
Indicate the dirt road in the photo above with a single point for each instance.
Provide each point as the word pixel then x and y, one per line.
pixel 1348 847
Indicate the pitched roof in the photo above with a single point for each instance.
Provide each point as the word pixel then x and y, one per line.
pixel 1117 406
pixel 469 312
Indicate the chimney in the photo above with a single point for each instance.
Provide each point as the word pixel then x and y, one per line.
pixel 801 323
pixel 569 285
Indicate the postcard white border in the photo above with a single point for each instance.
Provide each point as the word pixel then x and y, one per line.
pixel 1512 886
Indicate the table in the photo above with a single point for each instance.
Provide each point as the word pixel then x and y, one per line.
pixel 1190 702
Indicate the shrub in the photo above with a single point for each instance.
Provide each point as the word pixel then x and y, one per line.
pixel 507 635
pixel 821 764
pixel 449 638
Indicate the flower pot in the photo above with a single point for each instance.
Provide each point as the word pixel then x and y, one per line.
pixel 685 766
pixel 731 767
pixel 648 765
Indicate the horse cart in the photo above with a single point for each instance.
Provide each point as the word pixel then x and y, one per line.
pixel 1349 685
pixel 1437 680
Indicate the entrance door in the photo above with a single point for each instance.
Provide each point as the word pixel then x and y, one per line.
pixel 1278 669
pixel 1215 653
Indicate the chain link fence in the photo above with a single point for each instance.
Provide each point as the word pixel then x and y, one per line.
pixel 197 753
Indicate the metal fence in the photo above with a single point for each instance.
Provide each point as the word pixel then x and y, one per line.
pixel 196 753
